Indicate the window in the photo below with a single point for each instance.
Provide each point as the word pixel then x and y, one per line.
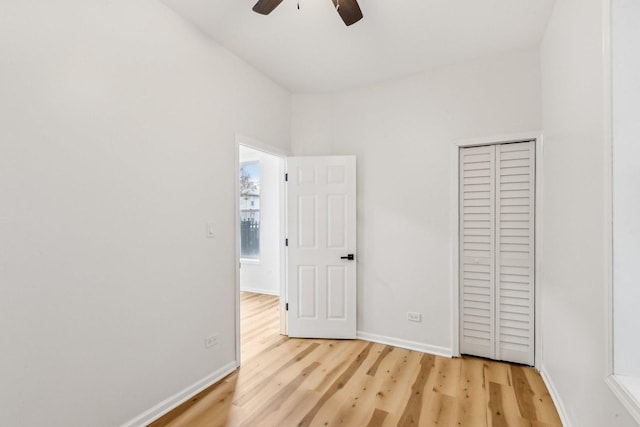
pixel 625 379
pixel 250 210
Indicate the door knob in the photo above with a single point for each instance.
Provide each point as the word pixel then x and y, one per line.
pixel 350 257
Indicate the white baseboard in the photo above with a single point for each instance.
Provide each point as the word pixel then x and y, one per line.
pixel 260 291
pixel 562 412
pixel 179 398
pixel 409 345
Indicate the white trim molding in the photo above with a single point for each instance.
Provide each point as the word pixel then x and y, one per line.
pixel 607 88
pixel 455 212
pixel 628 399
pixel 406 344
pixel 260 146
pixel 555 396
pixel 498 139
pixel 182 396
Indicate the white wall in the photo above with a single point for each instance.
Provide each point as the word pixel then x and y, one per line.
pixel 402 133
pixel 626 179
pixel 573 302
pixel 264 276
pixel 117 127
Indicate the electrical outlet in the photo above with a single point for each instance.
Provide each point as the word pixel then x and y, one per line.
pixel 210 341
pixel 414 317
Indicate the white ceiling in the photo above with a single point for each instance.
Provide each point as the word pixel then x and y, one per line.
pixel 311 50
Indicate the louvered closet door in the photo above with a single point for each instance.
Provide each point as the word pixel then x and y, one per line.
pixel 497 251
pixel 477 254
pixel 515 208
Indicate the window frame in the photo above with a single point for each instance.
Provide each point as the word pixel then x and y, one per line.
pixel 616 383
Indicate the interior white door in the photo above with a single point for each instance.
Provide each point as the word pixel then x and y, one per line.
pixel 321 224
pixel 497 264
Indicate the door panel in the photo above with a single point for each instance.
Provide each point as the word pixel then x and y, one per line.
pixel 321 212
pixel 336 292
pixel 477 257
pixel 337 221
pixel 307 221
pixel 515 264
pixel 307 292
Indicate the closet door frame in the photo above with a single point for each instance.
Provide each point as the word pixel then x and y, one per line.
pixel 455 230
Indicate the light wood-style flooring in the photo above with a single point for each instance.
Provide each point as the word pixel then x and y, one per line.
pixel 295 382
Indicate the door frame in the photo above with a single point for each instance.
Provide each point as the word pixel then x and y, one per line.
pixel 282 154
pixel 456 146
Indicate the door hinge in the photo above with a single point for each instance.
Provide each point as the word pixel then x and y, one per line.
pixel 286 307
pixel 286 177
pixel 286 242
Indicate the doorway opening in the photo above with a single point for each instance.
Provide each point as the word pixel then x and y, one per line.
pixel 260 245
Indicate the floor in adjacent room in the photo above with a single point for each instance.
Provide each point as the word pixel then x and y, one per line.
pixel 311 382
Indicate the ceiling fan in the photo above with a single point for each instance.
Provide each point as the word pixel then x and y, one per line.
pixel 349 10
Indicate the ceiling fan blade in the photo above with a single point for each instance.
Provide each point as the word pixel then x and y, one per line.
pixel 349 11
pixel 265 7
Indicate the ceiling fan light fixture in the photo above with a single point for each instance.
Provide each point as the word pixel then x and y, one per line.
pixel 349 10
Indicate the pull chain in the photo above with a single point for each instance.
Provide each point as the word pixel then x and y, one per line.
pixel 337 4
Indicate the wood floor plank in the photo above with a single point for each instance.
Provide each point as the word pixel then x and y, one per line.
pixel 337 385
pixel 342 356
pixel 398 375
pixel 472 409
pixel 439 410
pixel 210 408
pixel 497 418
pixel 448 376
pixel 254 390
pixel 545 409
pixel 377 418
pixel 411 413
pixel 276 401
pixel 359 395
pixel 287 382
pixel 382 354
pixel 523 393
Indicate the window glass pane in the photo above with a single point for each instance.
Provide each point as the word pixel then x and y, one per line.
pixel 250 210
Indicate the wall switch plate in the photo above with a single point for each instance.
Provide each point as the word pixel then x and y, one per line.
pixel 414 317
pixel 210 341
pixel 211 229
